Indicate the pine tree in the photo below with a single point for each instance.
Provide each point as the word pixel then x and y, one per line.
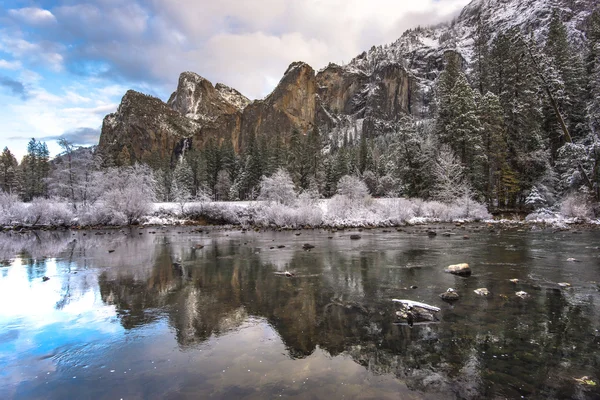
pixel 565 75
pixel 212 157
pixel 465 133
pixel 8 172
pixel 494 144
pixel 445 86
pixel 35 169
pixel 481 58
pixel 515 82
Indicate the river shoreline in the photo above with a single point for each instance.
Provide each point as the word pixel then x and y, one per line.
pixel 493 225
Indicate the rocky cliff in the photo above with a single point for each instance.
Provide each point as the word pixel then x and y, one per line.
pixel 365 97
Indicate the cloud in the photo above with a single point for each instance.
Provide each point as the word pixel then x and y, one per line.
pixel 33 15
pixel 15 87
pixel 43 53
pixel 12 65
pixel 79 136
pixel 247 45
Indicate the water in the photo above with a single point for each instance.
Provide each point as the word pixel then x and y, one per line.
pixel 130 324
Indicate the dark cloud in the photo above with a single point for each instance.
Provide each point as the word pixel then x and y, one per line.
pixel 79 136
pixel 14 86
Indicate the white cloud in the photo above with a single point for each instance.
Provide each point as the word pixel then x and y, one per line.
pixel 13 65
pixel 46 54
pixel 249 44
pixel 33 15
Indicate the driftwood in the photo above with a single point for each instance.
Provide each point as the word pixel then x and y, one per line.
pixel 411 304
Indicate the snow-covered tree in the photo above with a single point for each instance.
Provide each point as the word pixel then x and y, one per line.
pixel 353 188
pixel 128 191
pixel 278 188
pixel 449 176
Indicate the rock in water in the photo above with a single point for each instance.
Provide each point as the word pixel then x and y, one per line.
pixel 449 295
pixel 459 269
pixel 307 246
pixel 45 278
pixel 522 294
pixel 564 284
pixel 354 237
pixel 482 292
pixel 515 281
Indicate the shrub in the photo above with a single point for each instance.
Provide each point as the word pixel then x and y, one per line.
pixel 576 206
pixel 43 211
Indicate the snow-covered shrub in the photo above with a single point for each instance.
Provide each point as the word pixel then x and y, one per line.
pixel 42 211
pixel 129 191
pixel 98 214
pixel 395 211
pixel 435 210
pixel 216 213
pixel 576 206
pixel 278 188
pixel 467 208
pixel 11 208
pixel 542 215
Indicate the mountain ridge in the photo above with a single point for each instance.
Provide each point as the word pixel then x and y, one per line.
pixel 366 96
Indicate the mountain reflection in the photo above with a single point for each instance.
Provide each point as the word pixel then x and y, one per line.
pixel 339 302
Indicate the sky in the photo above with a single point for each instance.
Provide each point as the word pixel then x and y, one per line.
pixel 65 64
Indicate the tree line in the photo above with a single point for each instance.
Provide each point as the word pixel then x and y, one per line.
pixel 493 132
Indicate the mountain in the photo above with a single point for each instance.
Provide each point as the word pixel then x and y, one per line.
pixel 367 96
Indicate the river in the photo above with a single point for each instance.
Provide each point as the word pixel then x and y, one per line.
pixel 169 313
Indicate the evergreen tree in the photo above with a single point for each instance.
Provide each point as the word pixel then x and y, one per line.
pixel 35 169
pixel 195 160
pixel 565 75
pixel 494 143
pixel 445 86
pixel 8 172
pixel 212 157
pixel 515 82
pixel 481 58
pixel 465 133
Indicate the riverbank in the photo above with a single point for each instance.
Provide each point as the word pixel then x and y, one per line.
pixel 324 214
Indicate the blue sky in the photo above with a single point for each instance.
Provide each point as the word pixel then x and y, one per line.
pixel 65 64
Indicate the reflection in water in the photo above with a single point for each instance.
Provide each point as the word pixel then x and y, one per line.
pixel 157 316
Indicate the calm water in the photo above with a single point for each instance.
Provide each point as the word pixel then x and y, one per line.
pixel 118 319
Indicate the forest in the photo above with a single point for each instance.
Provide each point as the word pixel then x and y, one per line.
pixel 516 130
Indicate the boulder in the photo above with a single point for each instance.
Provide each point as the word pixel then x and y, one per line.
pixel 449 295
pixel 459 269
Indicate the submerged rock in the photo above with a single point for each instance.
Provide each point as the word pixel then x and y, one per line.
pixel 459 269
pixel 449 295
pixel 482 292
pixel 355 237
pixel 307 246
